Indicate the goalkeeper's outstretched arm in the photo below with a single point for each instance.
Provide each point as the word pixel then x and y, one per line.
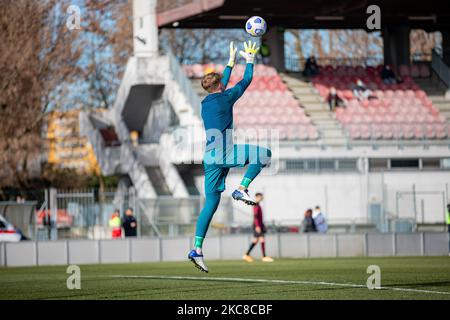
pixel 227 72
pixel 249 54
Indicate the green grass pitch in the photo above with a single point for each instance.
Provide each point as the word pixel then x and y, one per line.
pixel 401 278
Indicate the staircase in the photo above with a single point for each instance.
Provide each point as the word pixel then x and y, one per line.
pixel 330 130
pixel 113 160
pixel 436 90
pixel 149 87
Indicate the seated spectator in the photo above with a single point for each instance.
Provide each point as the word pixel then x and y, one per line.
pixel 308 222
pixel 334 100
pixel 311 67
pixel 361 92
pixel 319 220
pixel 388 75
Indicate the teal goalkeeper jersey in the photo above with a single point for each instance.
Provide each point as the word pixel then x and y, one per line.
pixel 217 110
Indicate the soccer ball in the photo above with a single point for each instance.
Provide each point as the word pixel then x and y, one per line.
pixel 256 26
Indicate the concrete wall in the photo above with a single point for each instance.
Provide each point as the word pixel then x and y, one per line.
pixel 52 253
pixel 21 254
pixel 225 247
pixel 84 251
pixel 409 243
pixel 288 196
pixel 429 186
pixel 2 254
pixel 351 245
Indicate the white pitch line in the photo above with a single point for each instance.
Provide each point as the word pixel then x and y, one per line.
pixel 351 285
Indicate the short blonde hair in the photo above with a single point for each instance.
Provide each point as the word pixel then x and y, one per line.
pixel 211 81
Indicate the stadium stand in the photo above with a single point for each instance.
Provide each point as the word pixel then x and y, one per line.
pixel 110 137
pixel 330 129
pixel 319 164
pixel 267 104
pixel 397 111
pixel 437 93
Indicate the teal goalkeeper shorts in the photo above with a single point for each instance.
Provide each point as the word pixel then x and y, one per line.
pixel 217 163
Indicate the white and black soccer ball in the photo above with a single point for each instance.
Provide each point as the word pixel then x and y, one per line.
pixel 256 26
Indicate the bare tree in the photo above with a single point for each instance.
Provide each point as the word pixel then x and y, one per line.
pixel 36 56
pixel 47 66
pixel 200 45
pixel 422 43
pixel 356 45
pixel 107 44
pixel 341 43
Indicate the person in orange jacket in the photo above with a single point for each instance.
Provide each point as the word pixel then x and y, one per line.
pixel 115 223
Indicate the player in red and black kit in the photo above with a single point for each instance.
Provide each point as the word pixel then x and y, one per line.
pixel 258 231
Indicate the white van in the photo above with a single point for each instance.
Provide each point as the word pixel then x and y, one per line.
pixel 7 231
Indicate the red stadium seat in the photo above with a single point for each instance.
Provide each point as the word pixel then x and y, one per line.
pixel 414 71
pixel 360 71
pixel 386 132
pixel 424 71
pixel 421 94
pixel 376 131
pixel 354 132
pixel 302 134
pixel 312 133
pixel 441 131
pixel 408 131
pixel 365 132
pixel 403 71
pixel 197 70
pixel 400 111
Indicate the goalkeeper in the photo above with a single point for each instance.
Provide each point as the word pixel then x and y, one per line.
pixel 220 153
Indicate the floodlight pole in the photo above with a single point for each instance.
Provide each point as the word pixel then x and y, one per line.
pixel 145 28
pixel 274 38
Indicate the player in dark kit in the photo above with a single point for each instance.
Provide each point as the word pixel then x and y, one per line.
pixel 258 231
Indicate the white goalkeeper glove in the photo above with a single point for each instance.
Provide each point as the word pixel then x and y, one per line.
pixel 232 59
pixel 250 51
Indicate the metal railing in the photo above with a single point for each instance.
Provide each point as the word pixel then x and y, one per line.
pixel 112 158
pixel 185 84
pixel 107 156
pixel 411 204
pixel 85 214
pixel 136 171
pixel 440 68
pixel 298 63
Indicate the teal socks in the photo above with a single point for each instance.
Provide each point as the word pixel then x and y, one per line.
pixel 198 242
pixel 246 182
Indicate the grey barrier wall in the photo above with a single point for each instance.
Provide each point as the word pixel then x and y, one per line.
pixel 435 244
pixel 22 254
pixel 408 243
pixel 51 253
pixel 351 245
pixel 66 252
pixel 83 251
pixel 2 255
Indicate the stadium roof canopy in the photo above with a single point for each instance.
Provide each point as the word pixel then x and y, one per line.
pixel 431 15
